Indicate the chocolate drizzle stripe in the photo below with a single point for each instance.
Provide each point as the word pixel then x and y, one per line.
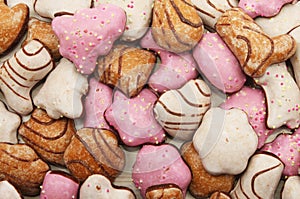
pixel 18 158
pixel 12 69
pixel 200 10
pixel 169 111
pixel 182 18
pixel 180 123
pixel 188 102
pixel 34 53
pixel 32 69
pixel 214 7
pixel 11 77
pixel 178 129
pixel 61 134
pixel 229 3
pixel 85 165
pixel 15 92
pixel 249 49
pixel 257 175
pixel 201 91
pixel 51 121
pixel 242 190
pixel 33 144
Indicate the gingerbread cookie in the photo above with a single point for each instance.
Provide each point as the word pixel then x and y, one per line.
pixel 164 191
pixel 219 195
pixel 134 120
pixel 176 25
pixel 7 190
pixel 53 8
pixel 20 73
pixel 98 186
pixel 262 8
pixel 173 71
pixel 81 41
pixel 138 16
pixel 94 151
pixel 13 25
pixel 59 184
pixel 291 189
pixel 204 184
pixel 9 123
pixel 22 167
pixel 47 136
pixel 62 92
pixel 160 165
pixel 261 178
pixel 218 64
pixel 98 99
pixel 126 68
pixel 42 31
pixel 225 141
pixel 253 48
pixel 283 97
pixel 180 111
pixel 253 102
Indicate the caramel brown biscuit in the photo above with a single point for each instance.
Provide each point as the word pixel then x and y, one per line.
pixel 176 26
pixel 165 191
pixel 254 49
pixel 127 68
pixel 47 136
pixel 203 183
pixel 219 195
pixel 22 167
pixel 13 25
pixel 94 151
pixel 42 31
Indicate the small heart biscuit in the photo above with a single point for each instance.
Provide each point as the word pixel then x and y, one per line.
pixel 13 25
pixel 255 50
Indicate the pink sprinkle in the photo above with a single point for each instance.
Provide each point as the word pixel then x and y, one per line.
pixel 268 73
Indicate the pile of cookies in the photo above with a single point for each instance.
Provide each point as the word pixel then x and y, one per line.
pixel 85 83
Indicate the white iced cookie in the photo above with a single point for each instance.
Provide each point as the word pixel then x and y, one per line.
pixel 9 123
pixel 97 186
pixel 295 59
pixel 283 97
pixel 283 22
pixel 20 73
pixel 225 141
pixel 29 3
pixel 210 11
pixel 7 190
pixel 138 16
pixel 61 94
pixel 260 179
pixel 180 111
pixel 291 189
pixel 52 8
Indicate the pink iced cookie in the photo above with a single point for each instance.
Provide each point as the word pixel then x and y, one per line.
pixel 175 69
pixel 218 64
pixel 286 147
pixel 134 120
pixel 99 98
pixel 88 34
pixel 255 8
pixel 253 102
pixel 59 185
pixel 158 165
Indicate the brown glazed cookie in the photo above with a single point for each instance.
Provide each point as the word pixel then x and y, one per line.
pixel 127 68
pixel 47 136
pixel 253 48
pixel 94 151
pixel 13 25
pixel 219 195
pixel 204 184
pixel 165 191
pixel 22 167
pixel 42 31
pixel 176 25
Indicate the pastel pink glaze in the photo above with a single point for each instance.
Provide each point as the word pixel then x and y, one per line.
pixel 175 69
pixel 156 165
pixel 99 98
pixel 264 8
pixel 218 64
pixel 287 148
pixel 88 34
pixel 57 185
pixel 253 102
pixel 134 120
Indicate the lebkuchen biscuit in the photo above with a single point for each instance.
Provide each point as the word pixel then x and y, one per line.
pixel 254 49
pixel 164 191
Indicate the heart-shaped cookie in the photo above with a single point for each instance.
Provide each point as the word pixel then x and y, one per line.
pixel 13 25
